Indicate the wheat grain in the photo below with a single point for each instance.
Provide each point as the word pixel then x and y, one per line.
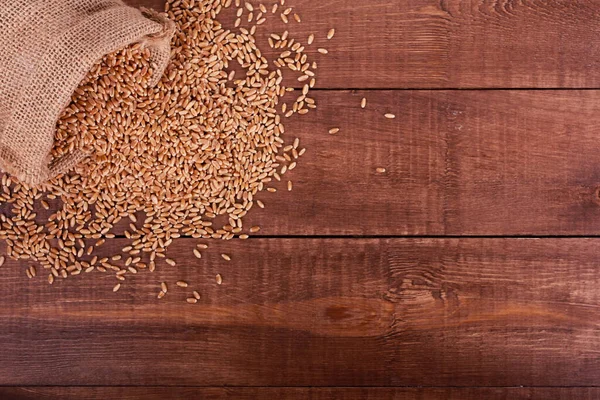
pixel 200 144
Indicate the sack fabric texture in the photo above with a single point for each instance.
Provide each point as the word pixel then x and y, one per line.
pixel 47 47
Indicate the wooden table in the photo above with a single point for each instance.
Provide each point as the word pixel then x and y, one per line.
pixel 470 269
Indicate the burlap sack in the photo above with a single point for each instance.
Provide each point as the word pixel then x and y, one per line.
pixel 47 47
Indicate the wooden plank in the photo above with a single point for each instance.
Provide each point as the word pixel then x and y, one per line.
pixel 457 163
pixel 177 393
pixel 317 312
pixel 446 44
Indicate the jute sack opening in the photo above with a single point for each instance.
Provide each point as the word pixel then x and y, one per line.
pixel 48 46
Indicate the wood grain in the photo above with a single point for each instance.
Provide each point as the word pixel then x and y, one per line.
pixel 447 44
pixel 373 316
pixel 317 312
pixel 177 393
pixel 458 163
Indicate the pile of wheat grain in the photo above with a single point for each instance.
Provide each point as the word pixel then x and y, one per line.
pixel 185 158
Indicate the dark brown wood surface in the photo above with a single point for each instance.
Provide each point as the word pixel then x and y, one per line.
pixel 178 393
pixel 448 43
pixel 468 270
pixel 458 163
pixel 318 312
